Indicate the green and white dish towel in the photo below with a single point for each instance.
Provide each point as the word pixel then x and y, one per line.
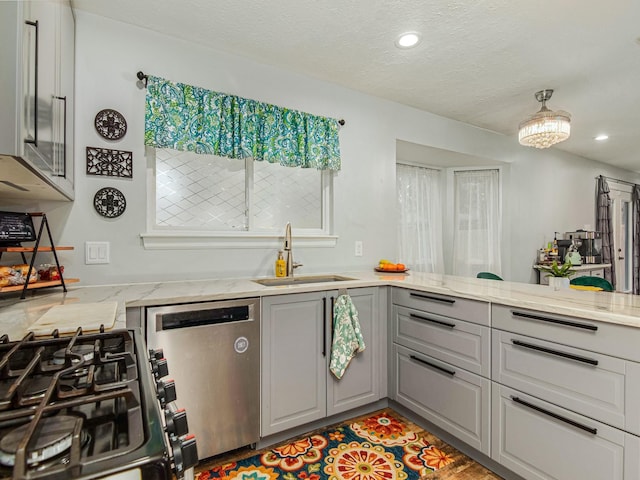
pixel 347 336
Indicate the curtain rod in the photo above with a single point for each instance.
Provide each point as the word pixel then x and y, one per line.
pixel 144 79
pixel 617 181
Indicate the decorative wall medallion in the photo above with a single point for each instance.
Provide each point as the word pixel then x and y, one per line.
pixel 110 163
pixel 110 124
pixel 109 202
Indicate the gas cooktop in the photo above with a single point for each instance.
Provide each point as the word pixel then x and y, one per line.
pixel 82 406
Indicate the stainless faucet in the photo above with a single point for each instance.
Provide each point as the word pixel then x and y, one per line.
pixel 287 248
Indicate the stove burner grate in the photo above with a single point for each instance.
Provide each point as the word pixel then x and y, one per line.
pixel 84 351
pixel 75 406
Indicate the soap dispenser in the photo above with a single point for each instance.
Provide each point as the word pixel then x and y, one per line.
pixel 281 266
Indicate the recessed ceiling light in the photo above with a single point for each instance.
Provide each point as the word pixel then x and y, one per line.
pixel 602 137
pixel 408 40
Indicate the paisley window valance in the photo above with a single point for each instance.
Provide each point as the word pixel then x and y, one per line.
pixel 188 118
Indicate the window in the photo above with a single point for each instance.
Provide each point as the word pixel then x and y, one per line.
pixel 202 196
pixel 477 222
pixel 420 218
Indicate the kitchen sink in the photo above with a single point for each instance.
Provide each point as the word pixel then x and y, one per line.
pixel 274 282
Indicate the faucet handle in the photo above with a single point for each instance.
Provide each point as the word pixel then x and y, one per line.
pixel 296 265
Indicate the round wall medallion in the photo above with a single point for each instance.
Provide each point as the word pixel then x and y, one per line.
pixel 109 202
pixel 110 124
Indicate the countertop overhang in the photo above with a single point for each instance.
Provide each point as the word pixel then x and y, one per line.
pixel 16 316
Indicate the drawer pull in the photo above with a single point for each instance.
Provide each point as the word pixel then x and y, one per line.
pixel 430 297
pixel 429 364
pixel 570 356
pixel 567 323
pixel 433 320
pixel 591 430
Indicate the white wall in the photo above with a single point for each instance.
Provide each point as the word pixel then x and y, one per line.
pixel 547 191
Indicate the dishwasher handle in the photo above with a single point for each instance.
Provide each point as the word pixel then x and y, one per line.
pixel 194 318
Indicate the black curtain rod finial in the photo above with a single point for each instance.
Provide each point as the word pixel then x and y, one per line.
pixel 341 122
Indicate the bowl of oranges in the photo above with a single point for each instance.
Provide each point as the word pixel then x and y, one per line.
pixel 387 266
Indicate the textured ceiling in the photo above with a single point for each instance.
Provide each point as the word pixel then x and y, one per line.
pixel 479 61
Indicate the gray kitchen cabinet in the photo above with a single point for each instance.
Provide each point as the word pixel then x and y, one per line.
pixel 464 344
pixel 612 339
pixel 565 396
pixel 541 441
pixel 450 397
pixel 599 386
pixel 441 362
pixel 474 311
pixel 362 380
pixel 36 127
pixel 296 384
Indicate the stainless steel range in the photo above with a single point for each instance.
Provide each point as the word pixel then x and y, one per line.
pixel 88 406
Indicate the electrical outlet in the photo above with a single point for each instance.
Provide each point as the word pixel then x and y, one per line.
pixel 96 252
pixel 358 248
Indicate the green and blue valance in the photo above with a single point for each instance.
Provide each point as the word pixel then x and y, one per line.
pixel 188 118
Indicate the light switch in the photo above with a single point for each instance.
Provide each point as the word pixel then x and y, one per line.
pixel 96 252
pixel 358 248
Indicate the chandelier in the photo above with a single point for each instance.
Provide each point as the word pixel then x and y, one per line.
pixel 546 127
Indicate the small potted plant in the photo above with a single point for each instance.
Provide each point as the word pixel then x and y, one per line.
pixel 558 275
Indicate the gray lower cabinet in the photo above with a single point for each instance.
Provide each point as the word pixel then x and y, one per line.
pixel 448 396
pixel 296 385
pixel 441 362
pixel 541 441
pixel 599 386
pixel 565 396
pixel 464 344
pixel 474 311
pixel 362 381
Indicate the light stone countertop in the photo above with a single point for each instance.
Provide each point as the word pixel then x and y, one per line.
pixel 16 316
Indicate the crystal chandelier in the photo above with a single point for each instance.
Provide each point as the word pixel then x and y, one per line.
pixel 546 127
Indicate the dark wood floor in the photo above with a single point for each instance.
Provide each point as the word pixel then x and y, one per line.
pixel 462 468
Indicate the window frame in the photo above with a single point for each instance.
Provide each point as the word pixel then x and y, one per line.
pixel 187 238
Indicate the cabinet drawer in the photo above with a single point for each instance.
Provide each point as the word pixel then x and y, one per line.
pixel 611 339
pixel 598 386
pixel 471 310
pixel 538 440
pixel 463 344
pixel 452 398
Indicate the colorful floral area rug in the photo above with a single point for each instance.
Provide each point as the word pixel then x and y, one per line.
pixel 383 446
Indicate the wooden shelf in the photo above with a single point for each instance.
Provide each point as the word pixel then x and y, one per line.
pixel 31 249
pixel 37 247
pixel 35 285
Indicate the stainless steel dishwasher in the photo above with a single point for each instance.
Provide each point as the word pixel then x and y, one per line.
pixel 213 353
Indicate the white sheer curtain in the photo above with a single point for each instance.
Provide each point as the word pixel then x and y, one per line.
pixel 419 218
pixel 477 222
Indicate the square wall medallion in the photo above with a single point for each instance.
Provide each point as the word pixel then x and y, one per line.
pixel 110 163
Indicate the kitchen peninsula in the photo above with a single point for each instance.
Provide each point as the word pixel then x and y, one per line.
pixel 509 369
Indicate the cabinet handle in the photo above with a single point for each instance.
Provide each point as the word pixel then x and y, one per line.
pixel 430 297
pixel 570 356
pixel 432 320
pixel 324 326
pixel 432 365
pixel 333 304
pixel 64 138
pixel 593 431
pixel 567 323
pixel 34 141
